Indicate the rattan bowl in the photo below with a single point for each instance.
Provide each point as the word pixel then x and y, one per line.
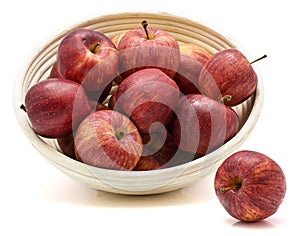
pixel 135 182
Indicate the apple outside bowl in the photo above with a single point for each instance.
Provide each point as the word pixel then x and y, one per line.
pixel 136 182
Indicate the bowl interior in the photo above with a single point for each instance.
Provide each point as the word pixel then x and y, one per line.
pixel 133 182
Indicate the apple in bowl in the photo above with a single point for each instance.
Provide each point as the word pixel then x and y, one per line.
pixel 89 58
pixel 144 47
pixel 202 125
pixel 147 96
pixel 55 107
pixel 228 77
pixel 108 139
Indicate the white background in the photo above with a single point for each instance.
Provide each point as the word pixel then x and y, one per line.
pixel 37 199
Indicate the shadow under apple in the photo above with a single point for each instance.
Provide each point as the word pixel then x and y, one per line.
pixel 263 224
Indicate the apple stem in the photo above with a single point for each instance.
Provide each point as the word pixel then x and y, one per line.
pixel 228 188
pixel 258 59
pixel 93 50
pixel 23 107
pixel 226 97
pixel 236 186
pixel 145 25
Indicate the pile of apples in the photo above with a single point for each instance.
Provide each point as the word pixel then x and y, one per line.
pixel 172 103
pixel 171 97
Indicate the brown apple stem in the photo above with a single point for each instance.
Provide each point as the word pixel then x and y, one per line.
pixel 23 107
pixel 236 186
pixel 226 97
pixel 145 25
pixel 93 50
pixel 228 188
pixel 258 59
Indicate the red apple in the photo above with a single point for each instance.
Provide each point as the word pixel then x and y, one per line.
pixel 195 51
pixel 66 145
pixel 88 57
pixel 101 94
pixel 202 124
pixel 54 73
pixel 228 76
pixel 159 148
pixel 108 139
pixel 250 186
pixel 147 96
pixel 112 100
pixel 116 39
pixel 148 47
pixel 192 59
pixel 56 106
